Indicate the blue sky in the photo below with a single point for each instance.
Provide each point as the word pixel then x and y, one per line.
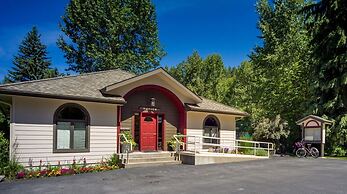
pixel 226 27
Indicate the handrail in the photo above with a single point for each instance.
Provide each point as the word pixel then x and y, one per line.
pixel 223 143
pixel 128 142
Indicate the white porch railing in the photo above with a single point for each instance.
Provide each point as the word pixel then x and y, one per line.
pixel 205 144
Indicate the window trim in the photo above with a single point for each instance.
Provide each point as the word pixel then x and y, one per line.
pixel 207 127
pixel 72 121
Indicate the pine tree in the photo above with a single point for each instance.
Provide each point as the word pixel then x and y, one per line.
pixel 327 22
pixel 108 34
pixel 31 62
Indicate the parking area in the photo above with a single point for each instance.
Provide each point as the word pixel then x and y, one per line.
pixel 276 175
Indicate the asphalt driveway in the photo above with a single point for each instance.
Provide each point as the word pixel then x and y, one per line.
pixel 278 175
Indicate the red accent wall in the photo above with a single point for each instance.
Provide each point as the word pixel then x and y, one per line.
pixel 166 99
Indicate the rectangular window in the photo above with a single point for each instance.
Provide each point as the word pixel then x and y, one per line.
pixel 71 137
pixel 79 136
pixel 63 135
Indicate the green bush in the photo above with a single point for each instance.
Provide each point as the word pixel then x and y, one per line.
pixel 246 151
pixel 261 153
pixel 12 168
pixel 339 151
pixel 113 160
pixel 4 153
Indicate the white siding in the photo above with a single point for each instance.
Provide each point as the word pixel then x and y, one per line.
pixel 32 131
pixel 228 126
pixel 190 140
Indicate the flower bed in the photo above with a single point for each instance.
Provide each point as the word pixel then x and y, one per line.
pixel 61 170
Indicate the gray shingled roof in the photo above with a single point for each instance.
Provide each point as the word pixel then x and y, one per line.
pixel 212 106
pixel 88 87
pixel 79 87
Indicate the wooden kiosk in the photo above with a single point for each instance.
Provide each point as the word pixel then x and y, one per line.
pixel 313 130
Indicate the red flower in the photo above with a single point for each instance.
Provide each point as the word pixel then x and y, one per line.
pixel 64 171
pixel 43 172
pixel 20 175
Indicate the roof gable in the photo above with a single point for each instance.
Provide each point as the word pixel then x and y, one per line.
pixel 160 73
pixel 313 117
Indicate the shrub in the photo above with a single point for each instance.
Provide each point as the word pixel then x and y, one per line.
pixel 261 153
pixel 12 168
pixel 339 151
pixel 246 151
pixel 4 153
pixel 113 160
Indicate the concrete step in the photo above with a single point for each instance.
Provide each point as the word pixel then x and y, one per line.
pixel 150 154
pixel 145 164
pixel 151 159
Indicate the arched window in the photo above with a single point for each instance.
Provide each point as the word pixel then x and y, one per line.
pixel 211 129
pixel 71 131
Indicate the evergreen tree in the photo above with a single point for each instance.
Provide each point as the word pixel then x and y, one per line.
pixel 327 23
pixel 108 34
pixel 31 62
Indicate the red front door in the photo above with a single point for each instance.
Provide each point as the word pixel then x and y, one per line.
pixel 148 132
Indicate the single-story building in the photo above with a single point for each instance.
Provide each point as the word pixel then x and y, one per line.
pixel 81 116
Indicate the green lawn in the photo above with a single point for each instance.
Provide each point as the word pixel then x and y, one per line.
pixel 339 158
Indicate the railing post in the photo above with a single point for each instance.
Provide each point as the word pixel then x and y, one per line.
pixel 194 145
pixel 268 150
pixel 254 147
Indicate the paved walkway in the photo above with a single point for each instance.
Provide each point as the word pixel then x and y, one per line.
pixel 279 175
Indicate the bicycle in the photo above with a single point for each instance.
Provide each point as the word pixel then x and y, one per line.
pixel 303 151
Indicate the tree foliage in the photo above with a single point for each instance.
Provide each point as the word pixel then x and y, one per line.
pixel 328 27
pixel 108 34
pixel 281 64
pixel 31 62
pixel 206 77
pixel 271 129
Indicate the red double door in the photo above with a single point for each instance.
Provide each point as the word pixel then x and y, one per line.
pixel 148 131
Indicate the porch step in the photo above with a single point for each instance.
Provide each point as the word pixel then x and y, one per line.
pixel 150 154
pixel 145 164
pixel 137 159
pixel 151 159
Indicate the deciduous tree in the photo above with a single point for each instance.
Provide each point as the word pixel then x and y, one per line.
pixel 108 34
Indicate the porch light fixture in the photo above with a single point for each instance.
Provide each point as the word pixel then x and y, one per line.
pixel 152 102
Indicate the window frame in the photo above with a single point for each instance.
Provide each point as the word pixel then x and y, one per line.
pixel 210 128
pixel 72 121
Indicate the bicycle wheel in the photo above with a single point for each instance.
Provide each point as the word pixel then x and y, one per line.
pixel 301 152
pixel 314 152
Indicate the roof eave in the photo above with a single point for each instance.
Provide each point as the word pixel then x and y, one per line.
pixel 65 97
pixel 244 114
pixel 313 117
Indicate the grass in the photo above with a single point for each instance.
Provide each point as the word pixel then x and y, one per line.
pixel 337 157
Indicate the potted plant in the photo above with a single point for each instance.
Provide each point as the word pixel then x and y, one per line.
pixel 172 143
pixel 125 146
